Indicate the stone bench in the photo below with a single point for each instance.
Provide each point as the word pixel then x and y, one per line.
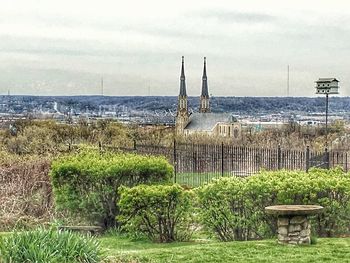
pixel 293 223
pixel 93 230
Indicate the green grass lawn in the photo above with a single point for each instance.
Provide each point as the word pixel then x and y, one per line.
pixel 326 250
pixel 197 179
pixel 121 249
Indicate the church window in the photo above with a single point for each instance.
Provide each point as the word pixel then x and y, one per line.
pixel 235 133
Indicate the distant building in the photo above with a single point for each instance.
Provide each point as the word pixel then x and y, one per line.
pixel 204 122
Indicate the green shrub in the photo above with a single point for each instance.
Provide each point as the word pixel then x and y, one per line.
pixel 87 184
pixel 163 213
pixel 49 246
pixel 233 208
pixel 226 211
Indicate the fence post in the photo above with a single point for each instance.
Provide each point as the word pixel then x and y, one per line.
pixel 222 159
pixel 279 157
pixel 134 144
pixel 175 161
pixel 326 157
pixel 195 159
pixel 346 161
pixel 307 159
pixel 100 146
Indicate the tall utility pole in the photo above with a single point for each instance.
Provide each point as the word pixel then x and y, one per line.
pixel 8 100
pixel 288 81
pixel 102 86
pixel 149 88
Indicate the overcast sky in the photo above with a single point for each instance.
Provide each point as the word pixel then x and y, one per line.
pixel 64 47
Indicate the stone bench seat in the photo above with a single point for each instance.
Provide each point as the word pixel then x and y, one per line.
pixel 293 209
pixel 293 224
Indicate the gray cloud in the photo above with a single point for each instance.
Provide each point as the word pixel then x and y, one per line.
pixel 247 51
pixel 237 17
pixel 73 48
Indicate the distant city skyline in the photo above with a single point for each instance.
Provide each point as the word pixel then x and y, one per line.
pixel 66 47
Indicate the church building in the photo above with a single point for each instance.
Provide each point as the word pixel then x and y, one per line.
pixel 204 121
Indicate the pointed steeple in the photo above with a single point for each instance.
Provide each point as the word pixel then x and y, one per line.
pixel 204 106
pixel 182 79
pixel 182 116
pixel 205 91
pixel 182 99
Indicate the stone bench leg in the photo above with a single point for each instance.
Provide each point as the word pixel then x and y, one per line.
pixel 293 230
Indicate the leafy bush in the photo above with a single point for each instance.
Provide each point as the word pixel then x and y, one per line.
pixel 163 213
pixel 233 208
pixel 49 246
pixel 226 211
pixel 86 184
pixel 28 137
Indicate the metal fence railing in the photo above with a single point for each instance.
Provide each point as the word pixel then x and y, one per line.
pixel 196 164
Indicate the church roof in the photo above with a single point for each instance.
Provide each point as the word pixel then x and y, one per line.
pixel 207 121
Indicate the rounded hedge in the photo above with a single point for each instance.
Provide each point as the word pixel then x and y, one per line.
pixel 87 183
pixel 233 208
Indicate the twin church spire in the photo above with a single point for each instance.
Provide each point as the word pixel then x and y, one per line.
pixel 204 100
pixel 183 79
pixel 182 107
pixel 204 106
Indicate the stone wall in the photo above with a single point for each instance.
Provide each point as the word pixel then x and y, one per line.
pixel 293 230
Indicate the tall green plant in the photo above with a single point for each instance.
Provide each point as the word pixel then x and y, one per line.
pixel 87 184
pixel 226 210
pixel 163 212
pixel 48 246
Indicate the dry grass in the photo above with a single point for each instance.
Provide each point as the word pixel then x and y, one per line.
pixel 25 193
